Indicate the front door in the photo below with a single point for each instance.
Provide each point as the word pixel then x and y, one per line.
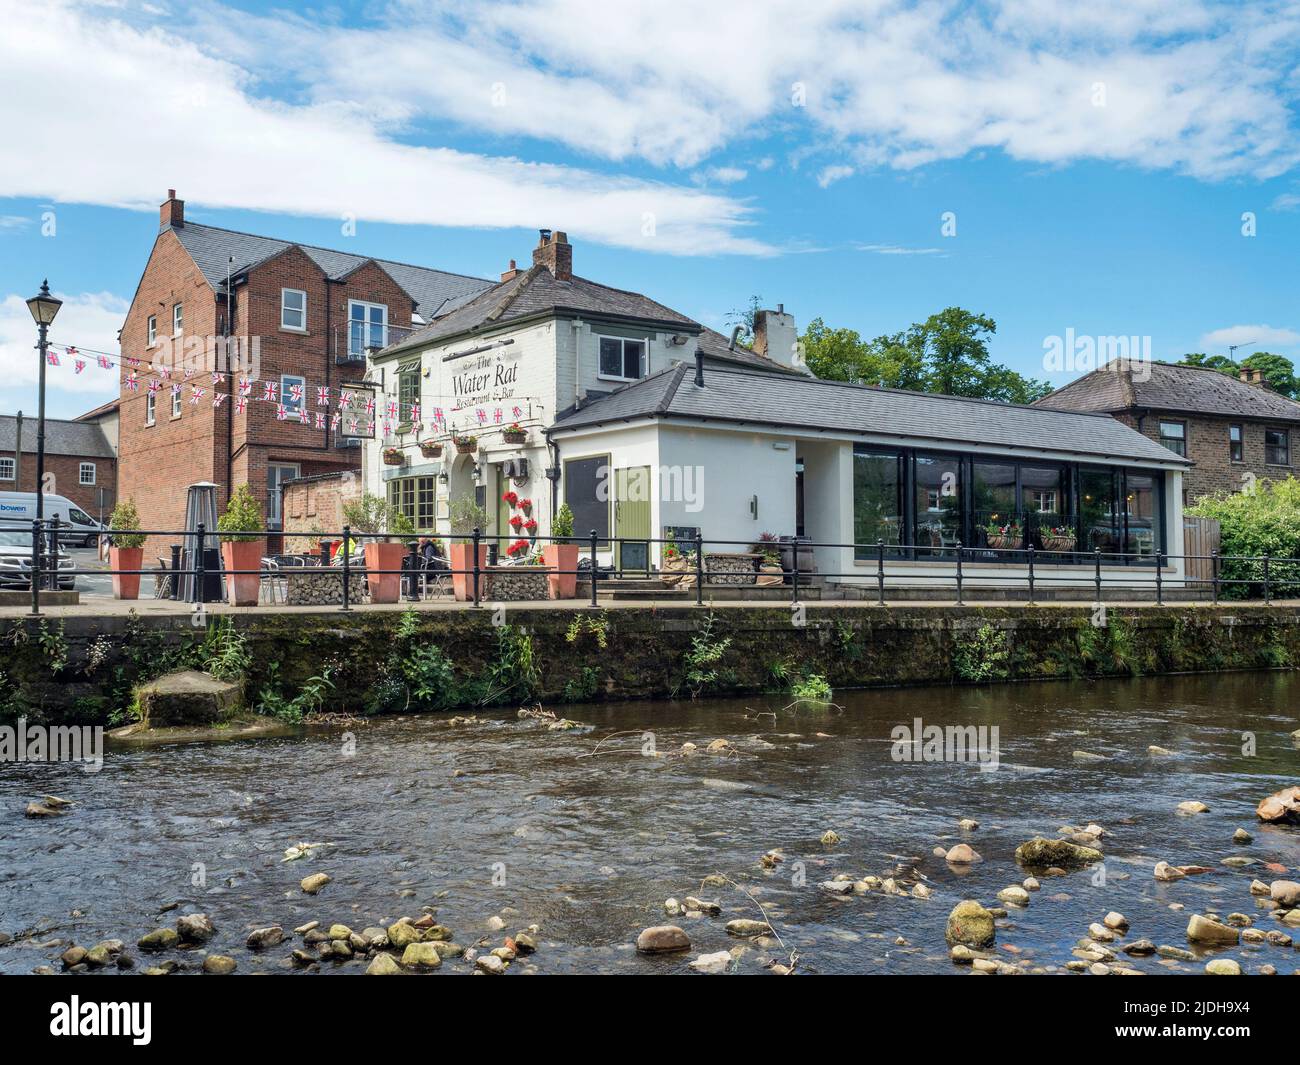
pixel 632 519
pixel 505 535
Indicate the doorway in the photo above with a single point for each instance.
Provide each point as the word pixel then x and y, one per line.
pixel 632 519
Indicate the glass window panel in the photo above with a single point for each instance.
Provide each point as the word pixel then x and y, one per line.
pixel 1142 517
pixel 632 352
pixel 1174 436
pixel 997 522
pixel 1277 447
pixel 611 357
pixel 877 500
pixel 937 502
pixel 1097 510
pixel 1042 501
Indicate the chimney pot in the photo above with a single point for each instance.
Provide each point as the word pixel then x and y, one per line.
pixel 511 272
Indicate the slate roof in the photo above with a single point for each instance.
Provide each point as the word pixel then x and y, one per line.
pixel 792 401
pixel 434 291
pixel 1185 389
pixel 62 437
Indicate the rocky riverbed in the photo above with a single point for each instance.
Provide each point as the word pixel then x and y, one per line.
pixel 1117 833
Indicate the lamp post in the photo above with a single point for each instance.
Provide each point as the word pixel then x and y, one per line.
pixel 43 307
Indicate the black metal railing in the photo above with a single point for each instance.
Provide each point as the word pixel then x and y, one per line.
pixel 878 565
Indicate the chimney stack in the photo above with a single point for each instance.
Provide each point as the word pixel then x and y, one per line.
pixel 511 273
pixel 1252 376
pixel 775 336
pixel 554 252
pixel 172 212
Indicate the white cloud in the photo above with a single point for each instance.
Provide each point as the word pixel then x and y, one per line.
pixel 89 320
pixel 1257 336
pixel 828 175
pixel 896 249
pixel 1287 201
pixel 722 175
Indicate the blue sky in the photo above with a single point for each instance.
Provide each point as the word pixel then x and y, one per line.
pixel 1098 160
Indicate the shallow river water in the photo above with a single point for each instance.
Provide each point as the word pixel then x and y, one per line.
pixel 582 834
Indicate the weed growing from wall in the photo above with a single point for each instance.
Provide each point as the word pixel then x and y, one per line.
pixel 981 656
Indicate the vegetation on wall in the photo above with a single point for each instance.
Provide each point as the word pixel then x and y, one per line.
pixel 1264 521
pixel 981 656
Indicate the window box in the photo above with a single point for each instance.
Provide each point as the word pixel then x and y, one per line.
pixel 431 449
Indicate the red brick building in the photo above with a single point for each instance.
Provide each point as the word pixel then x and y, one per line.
pixel 217 301
pixel 78 454
pixel 1235 429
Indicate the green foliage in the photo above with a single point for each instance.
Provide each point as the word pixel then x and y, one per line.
pixel 375 516
pixel 516 674
pixel 581 688
pixel 584 624
pixel 562 523
pixel 401 525
pixel 947 354
pixel 1263 521
pixel 243 514
pixel 812 686
pixel 124 518
pixel 224 652
pixel 466 516
pixel 981 656
pixel 292 709
pixel 416 674
pixel 54 647
pixel 701 661
pixel 1277 370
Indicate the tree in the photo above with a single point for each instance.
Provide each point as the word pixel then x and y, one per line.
pixel 1278 370
pixel 947 354
pixel 745 318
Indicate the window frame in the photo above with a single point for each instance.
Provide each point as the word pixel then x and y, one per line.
pixel 643 362
pixel 12 464
pixel 1237 448
pixel 365 320
pixel 176 405
pixel 150 408
pixel 287 380
pixel 284 306
pixel 178 319
pixel 81 474
pixel 1286 446
pixel 404 405
pixel 151 330
pixel 1160 428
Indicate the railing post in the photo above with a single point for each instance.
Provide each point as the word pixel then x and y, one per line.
pixel 794 570
pixel 34 577
pixel 594 541
pixel 1214 574
pixel 200 595
pixel 959 573
pixel 1031 573
pixel 347 567
pixel 1096 557
pixel 880 572
pixel 699 570
pixel 474 540
pixel 54 554
pixel 1160 583
pixel 1268 594
pixel 412 577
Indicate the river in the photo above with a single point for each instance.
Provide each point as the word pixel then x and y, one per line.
pixel 585 834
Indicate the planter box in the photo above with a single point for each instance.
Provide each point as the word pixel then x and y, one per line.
pixel 126 585
pixel 514 438
pixel 461 556
pixel 467 449
pixel 382 555
pixel 725 567
pixel 1058 543
pixel 1005 543
pixel 562 557
pixel 393 458
pixel 320 585
pixel 242 588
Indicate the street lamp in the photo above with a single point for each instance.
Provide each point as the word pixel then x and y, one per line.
pixel 44 307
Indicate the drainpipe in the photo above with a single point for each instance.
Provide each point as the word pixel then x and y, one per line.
pixel 699 368
pixel 553 449
pixel 579 393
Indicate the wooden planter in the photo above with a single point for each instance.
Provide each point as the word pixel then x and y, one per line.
pixel 461 556
pixel 562 557
pixel 431 451
pixel 382 555
pixel 242 588
pixel 392 458
pixel 514 437
pixel 126 585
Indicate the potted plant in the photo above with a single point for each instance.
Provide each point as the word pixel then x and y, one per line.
pixel 376 518
pixel 516 521
pixel 466 516
pixel 510 498
pixel 1003 535
pixel 531 526
pixel 393 456
pixel 125 550
pixel 677 566
pixel 519 549
pixel 466 445
pixel 562 557
pixel 770 571
pixel 431 449
pixel 242 548
pixel 526 505
pixel 514 433
pixel 1057 537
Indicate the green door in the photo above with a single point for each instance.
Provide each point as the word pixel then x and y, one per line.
pixel 632 519
pixel 505 534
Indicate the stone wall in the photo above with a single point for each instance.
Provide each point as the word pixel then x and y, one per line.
pixel 321 586
pixel 644 656
pixel 516 583
pixel 723 568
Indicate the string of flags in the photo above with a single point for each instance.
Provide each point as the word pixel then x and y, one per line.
pixel 352 408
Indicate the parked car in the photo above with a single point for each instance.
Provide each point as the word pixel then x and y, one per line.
pixel 77 527
pixel 16 562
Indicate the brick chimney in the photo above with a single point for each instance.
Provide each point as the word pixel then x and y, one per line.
pixel 554 252
pixel 1252 376
pixel 172 212
pixel 775 336
pixel 511 273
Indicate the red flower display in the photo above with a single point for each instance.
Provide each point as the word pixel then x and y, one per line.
pixel 511 498
pixel 519 547
pixel 531 525
pixel 515 522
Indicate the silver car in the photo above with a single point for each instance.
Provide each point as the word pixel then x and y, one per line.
pixel 16 563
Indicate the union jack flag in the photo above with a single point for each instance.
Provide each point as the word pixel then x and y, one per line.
pixel 240 404
pixel 295 395
pixel 437 414
pixel 304 415
pixel 370 405
pixel 496 415
pixel 79 365
pixel 104 362
pixel 217 399
pixel 132 382
pixel 323 396
pixel 516 411
pixel 352 427
pixel 280 412
pixel 196 394
pixel 320 419
pixel 268 393
pixel 415 412
pixel 334 421
pixel 176 390
pixel 245 386
pixel 153 387
pixel 391 409
pixel 481 415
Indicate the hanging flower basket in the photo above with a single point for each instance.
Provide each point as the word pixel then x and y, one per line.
pixel 511 498
pixel 431 449
pixel 526 505
pixel 531 526
pixel 516 522
pixel 393 456
pixel 514 433
pixel 466 445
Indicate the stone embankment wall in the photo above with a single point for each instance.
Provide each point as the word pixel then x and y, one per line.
pixel 82 669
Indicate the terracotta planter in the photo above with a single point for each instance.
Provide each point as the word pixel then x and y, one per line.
pixel 126 585
pixel 242 588
pixel 562 557
pixel 769 574
pixel 382 555
pixel 461 555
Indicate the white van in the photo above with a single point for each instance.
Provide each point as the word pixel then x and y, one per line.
pixel 77 527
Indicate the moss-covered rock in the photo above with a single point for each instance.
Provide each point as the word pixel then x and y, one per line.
pixel 971 925
pixel 1040 853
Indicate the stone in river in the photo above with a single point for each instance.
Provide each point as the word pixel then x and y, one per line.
pixel 219 964
pixel 1281 806
pixel 830 837
pixel 1014 895
pixel 1177 953
pixel 1167 872
pixel 713 909
pixel 1204 930
pixel 36 809
pixel 402 933
pixel 1101 933
pixel 1192 806
pixel 195 928
pixel 743 926
pixel 1039 852
pixel 264 938
pixel 970 924
pixel 1242 836
pixel 312 884
pixel 188 697
pixel 662 939
pixel 838 887
pixel 1223 967
pixel 421 956
pixel 383 965
pixel 158 939
pixel 1140 947
pixel 967 824
pixel 1116 921
pixel 1285 893
pixel 712 963
pixel 962 854
pixel 1088 756
pixel 73 956
pixel 1153 749
pixel 490 964
pixel 525 943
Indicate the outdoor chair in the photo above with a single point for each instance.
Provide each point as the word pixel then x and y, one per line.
pixel 162 580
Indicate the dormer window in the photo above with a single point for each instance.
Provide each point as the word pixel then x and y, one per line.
pixel 621 359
